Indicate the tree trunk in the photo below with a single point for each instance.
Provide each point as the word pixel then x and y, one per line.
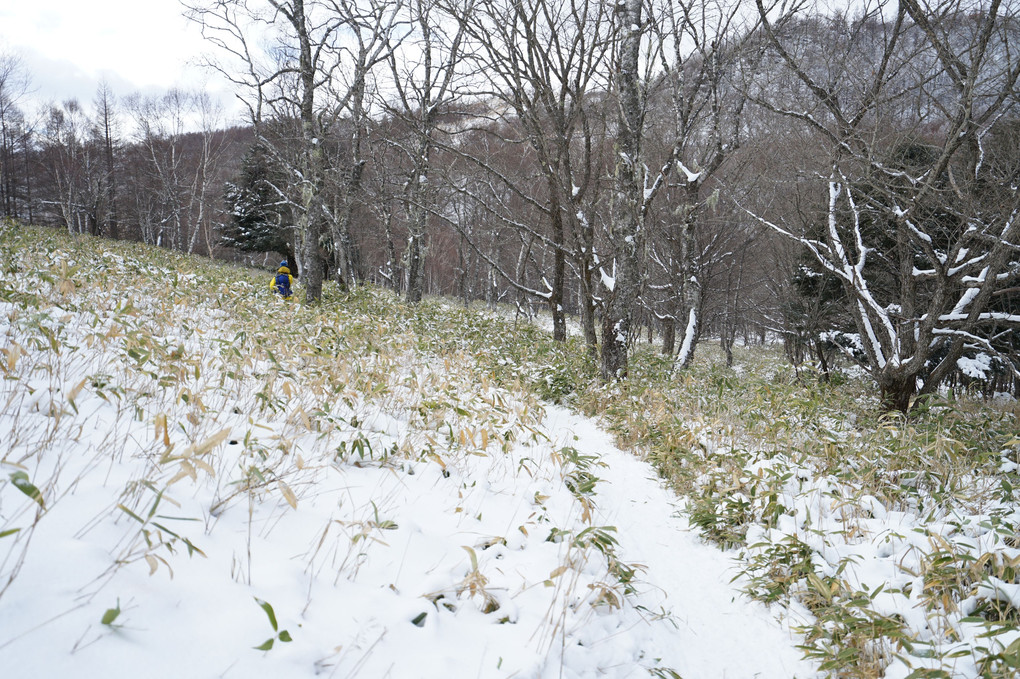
pixel 629 198
pixel 668 335
pixel 347 257
pixel 586 296
pixel 310 230
pixel 311 222
pixel 896 391
pixel 822 363
pixel 559 277
pixel 414 255
pixel 587 303
pixel 415 268
pixel 690 286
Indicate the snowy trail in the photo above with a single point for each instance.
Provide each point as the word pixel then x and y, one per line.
pixel 719 633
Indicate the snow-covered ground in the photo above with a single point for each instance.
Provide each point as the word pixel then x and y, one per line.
pixel 197 479
pixel 713 630
pixel 175 500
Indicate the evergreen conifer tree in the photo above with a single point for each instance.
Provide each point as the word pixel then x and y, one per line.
pixel 260 216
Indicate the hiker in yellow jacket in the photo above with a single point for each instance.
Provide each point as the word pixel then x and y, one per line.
pixel 283 281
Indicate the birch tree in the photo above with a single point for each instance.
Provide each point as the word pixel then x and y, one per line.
pixel 74 166
pixel 179 164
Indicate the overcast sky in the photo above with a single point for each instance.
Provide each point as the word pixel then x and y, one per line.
pixel 68 46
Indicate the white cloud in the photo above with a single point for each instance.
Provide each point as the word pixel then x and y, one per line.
pixel 69 46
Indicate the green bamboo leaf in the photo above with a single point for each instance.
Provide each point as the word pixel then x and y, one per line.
pixel 131 514
pixel 110 615
pixel 285 636
pixel 21 482
pixel 265 646
pixel 270 613
pixel 12 531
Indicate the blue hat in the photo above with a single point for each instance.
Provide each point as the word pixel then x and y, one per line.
pixel 283 263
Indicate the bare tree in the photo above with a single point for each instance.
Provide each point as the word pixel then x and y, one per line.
pixel 323 53
pixel 14 84
pixel 542 66
pixel 107 130
pixel 74 165
pixel 903 98
pixel 703 50
pixel 204 191
pixel 160 124
pixel 424 72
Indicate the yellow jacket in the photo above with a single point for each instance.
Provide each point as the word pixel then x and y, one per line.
pixel 283 283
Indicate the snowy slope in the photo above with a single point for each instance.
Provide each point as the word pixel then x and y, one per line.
pixel 184 495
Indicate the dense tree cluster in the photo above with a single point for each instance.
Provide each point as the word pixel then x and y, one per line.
pixel 843 179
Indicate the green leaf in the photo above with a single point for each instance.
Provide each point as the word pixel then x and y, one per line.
pixel 131 514
pixel 5 533
pixel 265 646
pixel 111 614
pixel 269 612
pixel 166 530
pixel 285 636
pixel 21 482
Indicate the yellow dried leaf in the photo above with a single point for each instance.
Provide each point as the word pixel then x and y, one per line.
pixel 177 477
pixel 153 564
pixel 557 572
pixel 288 494
pixel 207 445
pixel 161 428
pixel 12 357
pixel 485 438
pixel 77 389
pixel 300 462
pixel 204 466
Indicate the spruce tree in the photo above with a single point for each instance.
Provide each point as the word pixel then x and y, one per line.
pixel 260 216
